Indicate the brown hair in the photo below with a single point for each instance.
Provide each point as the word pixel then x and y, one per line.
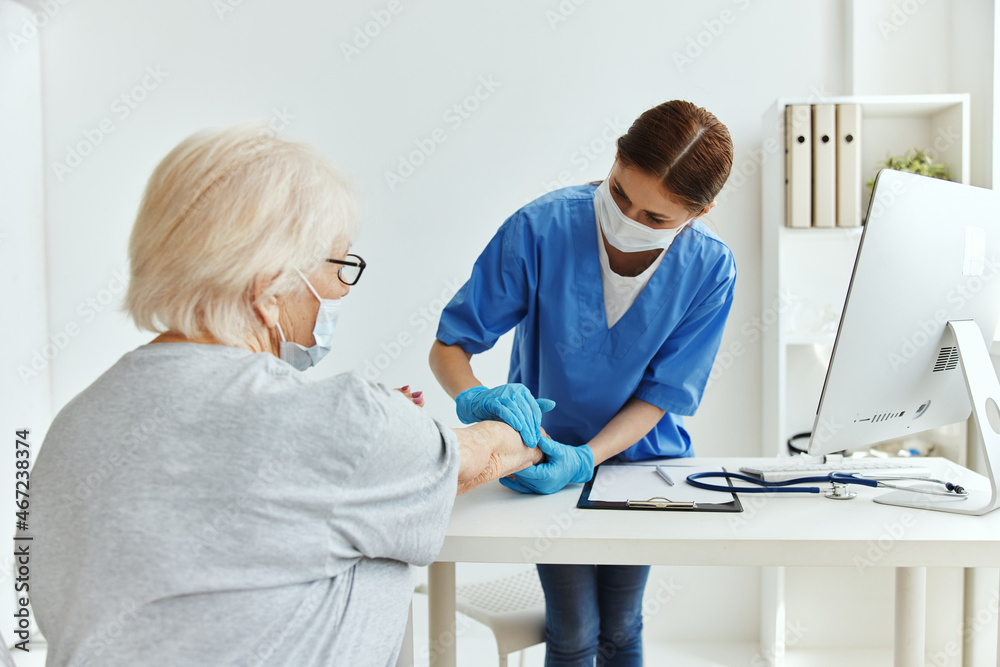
pixel 684 146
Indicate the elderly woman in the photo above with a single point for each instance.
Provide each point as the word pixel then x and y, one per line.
pixel 203 502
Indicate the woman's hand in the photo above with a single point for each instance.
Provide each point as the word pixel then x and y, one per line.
pixel 416 396
pixel 511 403
pixel 564 464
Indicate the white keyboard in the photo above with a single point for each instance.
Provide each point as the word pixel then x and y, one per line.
pixel 780 470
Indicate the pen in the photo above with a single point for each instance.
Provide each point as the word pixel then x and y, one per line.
pixel 663 473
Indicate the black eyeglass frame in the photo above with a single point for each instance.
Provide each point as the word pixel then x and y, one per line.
pixel 360 264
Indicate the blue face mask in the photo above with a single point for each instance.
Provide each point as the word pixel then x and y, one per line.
pixel 302 357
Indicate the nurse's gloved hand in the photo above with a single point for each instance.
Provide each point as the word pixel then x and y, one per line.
pixel 564 465
pixel 511 403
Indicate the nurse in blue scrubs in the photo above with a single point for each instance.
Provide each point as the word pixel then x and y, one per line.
pixel 618 296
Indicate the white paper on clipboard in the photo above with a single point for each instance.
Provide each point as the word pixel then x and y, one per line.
pixel 639 481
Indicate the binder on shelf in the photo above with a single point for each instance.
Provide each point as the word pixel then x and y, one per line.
pixel 848 165
pixel 798 165
pixel 824 165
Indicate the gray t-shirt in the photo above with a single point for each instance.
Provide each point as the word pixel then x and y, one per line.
pixel 203 505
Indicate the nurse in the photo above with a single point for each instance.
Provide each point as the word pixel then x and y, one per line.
pixel 618 295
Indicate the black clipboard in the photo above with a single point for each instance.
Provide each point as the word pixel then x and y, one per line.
pixel 656 504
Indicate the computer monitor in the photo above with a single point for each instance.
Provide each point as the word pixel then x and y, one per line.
pixel 912 348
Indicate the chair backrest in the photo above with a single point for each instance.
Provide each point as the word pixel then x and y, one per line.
pixel 518 592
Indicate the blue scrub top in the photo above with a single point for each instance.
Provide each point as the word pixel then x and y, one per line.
pixel 541 273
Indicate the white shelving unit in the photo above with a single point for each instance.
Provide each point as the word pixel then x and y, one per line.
pixel 806 274
pixel 807 271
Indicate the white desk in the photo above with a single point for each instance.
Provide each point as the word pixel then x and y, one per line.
pixel 495 525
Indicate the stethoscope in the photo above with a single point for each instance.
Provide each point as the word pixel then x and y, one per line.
pixel 838 484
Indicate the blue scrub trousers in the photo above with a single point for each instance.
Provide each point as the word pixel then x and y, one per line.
pixel 593 611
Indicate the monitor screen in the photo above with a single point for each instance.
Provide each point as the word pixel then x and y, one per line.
pixel 929 254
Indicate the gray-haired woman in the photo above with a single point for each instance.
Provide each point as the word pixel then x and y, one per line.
pixel 205 503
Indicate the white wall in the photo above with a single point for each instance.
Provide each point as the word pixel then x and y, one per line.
pixel 559 87
pixel 930 46
pixel 907 47
pixel 24 396
pixel 564 73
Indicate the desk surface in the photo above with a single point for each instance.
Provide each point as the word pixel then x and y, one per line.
pixel 494 524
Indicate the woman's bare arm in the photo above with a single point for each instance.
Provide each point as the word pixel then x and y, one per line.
pixel 450 365
pixel 490 450
pixel 633 421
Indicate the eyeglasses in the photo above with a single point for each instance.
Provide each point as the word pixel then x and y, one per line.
pixel 350 270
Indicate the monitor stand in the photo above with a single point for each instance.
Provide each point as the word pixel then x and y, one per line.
pixel 984 395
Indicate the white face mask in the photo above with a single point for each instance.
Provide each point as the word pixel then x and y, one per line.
pixel 622 231
pixel 302 357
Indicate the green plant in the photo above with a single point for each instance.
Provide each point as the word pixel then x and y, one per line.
pixel 916 162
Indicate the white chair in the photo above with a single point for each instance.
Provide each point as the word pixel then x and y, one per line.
pixel 513 608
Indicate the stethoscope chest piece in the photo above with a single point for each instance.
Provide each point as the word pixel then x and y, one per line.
pixel 840 491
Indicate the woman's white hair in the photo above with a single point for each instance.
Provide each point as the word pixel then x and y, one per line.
pixel 224 208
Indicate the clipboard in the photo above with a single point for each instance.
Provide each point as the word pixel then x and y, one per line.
pixel 685 497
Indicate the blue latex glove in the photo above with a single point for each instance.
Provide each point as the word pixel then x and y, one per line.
pixel 511 403
pixel 564 465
